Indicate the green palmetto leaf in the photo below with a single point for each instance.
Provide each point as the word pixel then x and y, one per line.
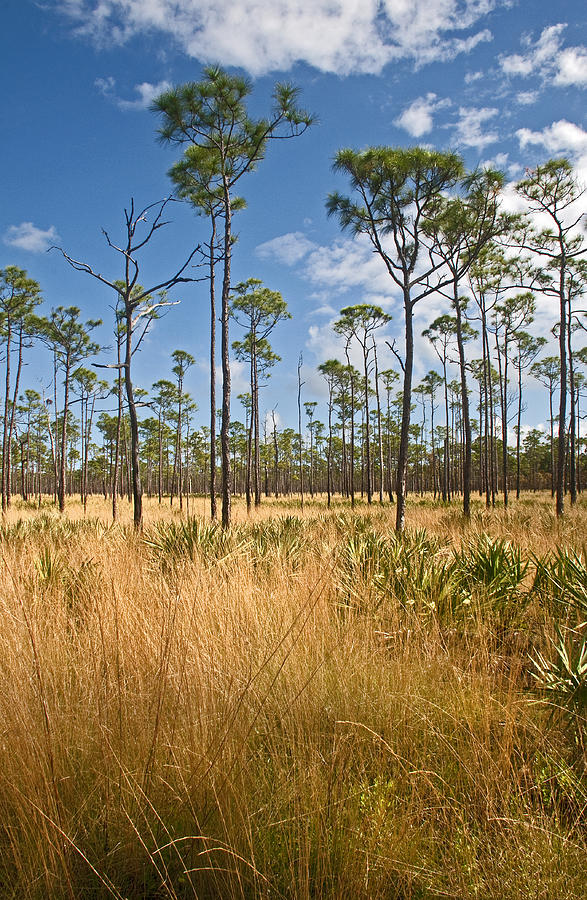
pixel 562 680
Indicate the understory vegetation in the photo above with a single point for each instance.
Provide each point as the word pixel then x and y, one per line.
pixel 305 705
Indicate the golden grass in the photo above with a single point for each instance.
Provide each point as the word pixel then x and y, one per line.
pixel 187 728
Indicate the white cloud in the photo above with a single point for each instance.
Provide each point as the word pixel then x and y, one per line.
pixel 345 265
pixel 146 92
pixel 540 55
pixel 572 67
pixel 341 36
pixel 526 98
pixel 499 161
pixel 559 136
pixel 27 236
pixel 417 118
pixel 469 126
pixel 546 59
pixel 350 265
pixel 287 248
pixel 471 77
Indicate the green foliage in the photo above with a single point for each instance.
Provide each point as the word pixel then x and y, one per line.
pixel 193 538
pixel 224 142
pixel 280 541
pixel 404 567
pixel 562 680
pixel 492 572
pixel 46 526
pixel 560 581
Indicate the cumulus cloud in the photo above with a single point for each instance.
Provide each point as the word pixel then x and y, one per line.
pixel 572 67
pixel 469 128
pixel 346 264
pixel 546 59
pixel 340 36
pixel 350 265
pixel 27 236
pixel 538 56
pixel 499 161
pixel 287 248
pixel 417 118
pixel 146 92
pixel 561 136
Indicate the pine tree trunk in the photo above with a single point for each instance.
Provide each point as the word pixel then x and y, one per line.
pixel 213 509
pixel 402 460
pixel 137 489
pixel 467 461
pixel 225 351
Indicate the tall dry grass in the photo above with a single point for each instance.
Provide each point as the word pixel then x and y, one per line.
pixel 267 715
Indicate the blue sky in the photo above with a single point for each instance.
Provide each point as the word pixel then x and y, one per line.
pixel 498 81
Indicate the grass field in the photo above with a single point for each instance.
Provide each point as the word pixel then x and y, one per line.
pixel 303 707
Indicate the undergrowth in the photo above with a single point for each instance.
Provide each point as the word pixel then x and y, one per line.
pixel 307 706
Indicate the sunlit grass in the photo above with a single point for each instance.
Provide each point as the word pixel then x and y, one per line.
pixel 307 707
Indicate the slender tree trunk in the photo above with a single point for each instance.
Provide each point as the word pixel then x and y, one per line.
pixel 160 476
pixel 56 419
pixel 28 461
pixel 311 459
pixel 63 448
pixel 503 390
pixel 23 490
pixel 39 485
pixel 446 460
pixel 379 434
pixel 12 416
pixel 248 491
pixel 487 406
pixel 519 426
pixel 5 448
pixel 137 488
pixel 367 429
pixel 83 418
pixel 118 427
pixel 572 418
pixel 225 351
pixel 329 460
pixel 257 451
pixel 275 459
pixel 467 461
pixel 352 466
pixel 86 450
pixel 433 442
pixel 562 410
pixel 300 433
pixel 492 437
pixel 213 508
pixel 578 426
pixel 402 461
pixel 552 461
